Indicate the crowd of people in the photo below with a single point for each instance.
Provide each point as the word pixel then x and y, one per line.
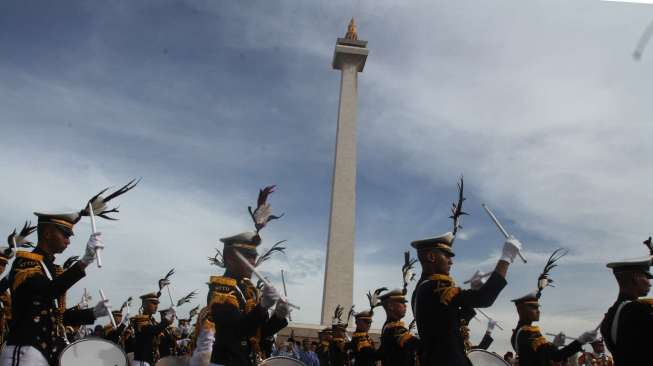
pixel 239 322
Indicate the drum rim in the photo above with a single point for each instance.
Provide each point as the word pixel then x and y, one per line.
pixel 284 358
pixel 94 339
pixel 488 352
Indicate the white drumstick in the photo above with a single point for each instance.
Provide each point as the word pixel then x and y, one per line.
pixel 500 227
pixel 98 256
pixel 260 277
pixel 113 321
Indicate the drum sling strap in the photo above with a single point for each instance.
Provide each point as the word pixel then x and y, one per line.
pixel 614 328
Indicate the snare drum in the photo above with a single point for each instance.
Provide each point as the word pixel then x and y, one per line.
pixel 479 357
pixel 92 351
pixel 281 361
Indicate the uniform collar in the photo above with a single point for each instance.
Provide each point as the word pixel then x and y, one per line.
pixel 47 257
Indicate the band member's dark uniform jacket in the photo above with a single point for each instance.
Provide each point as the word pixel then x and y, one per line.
pixel 362 349
pixel 322 352
pixel 240 321
pixel 167 342
pixel 338 355
pixel 628 336
pixel 486 341
pixel 147 332
pixel 440 307
pixel 399 347
pixel 115 335
pixel 39 313
pixel 535 350
pixel 5 308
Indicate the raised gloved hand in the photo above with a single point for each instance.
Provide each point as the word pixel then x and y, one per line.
pixel 478 280
pixel 269 296
pixel 491 323
pixel 510 250
pixel 588 336
pixel 282 310
pixel 94 243
pixel 559 339
pixel 101 308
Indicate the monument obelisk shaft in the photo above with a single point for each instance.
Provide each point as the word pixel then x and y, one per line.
pixel 349 57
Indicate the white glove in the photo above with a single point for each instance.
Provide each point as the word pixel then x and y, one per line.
pixel 269 296
pixel 478 280
pixel 282 310
pixel 559 339
pixel 101 308
pixel 588 336
pixel 510 250
pixel 490 325
pixel 170 315
pixel 94 243
pixel 183 342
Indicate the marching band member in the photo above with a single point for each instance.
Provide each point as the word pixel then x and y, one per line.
pixel 39 315
pixel 238 308
pixel 115 335
pixel 399 347
pixel 626 326
pixel 338 346
pixel 597 357
pixel 527 340
pixel 147 330
pixel 362 345
pixel 14 241
pixel 440 306
pixel 204 336
pixel 322 350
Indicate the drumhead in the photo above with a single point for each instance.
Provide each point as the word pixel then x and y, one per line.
pixel 92 351
pixel 479 357
pixel 281 361
pixel 173 361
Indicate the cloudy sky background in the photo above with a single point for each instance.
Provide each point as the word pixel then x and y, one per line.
pixel 539 104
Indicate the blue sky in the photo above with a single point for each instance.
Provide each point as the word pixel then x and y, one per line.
pixel 539 104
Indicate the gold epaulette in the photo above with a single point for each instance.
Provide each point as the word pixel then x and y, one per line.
pixel 530 329
pixel 538 342
pixel 397 324
pixel 22 274
pixel 359 334
pixel 29 255
pixel 646 300
pixel 363 344
pixel 404 338
pixel 224 281
pixel 440 277
pixel 448 294
pixel 224 298
pixel 140 318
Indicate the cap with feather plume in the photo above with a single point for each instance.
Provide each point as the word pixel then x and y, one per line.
pixel 445 241
pixel 642 264
pixel 544 279
pixel 373 300
pixel 99 203
pixel 263 212
pixel 66 221
pixel 186 299
pixel 165 281
pixel 336 321
pixel 16 241
pixel 407 271
pixel 249 241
